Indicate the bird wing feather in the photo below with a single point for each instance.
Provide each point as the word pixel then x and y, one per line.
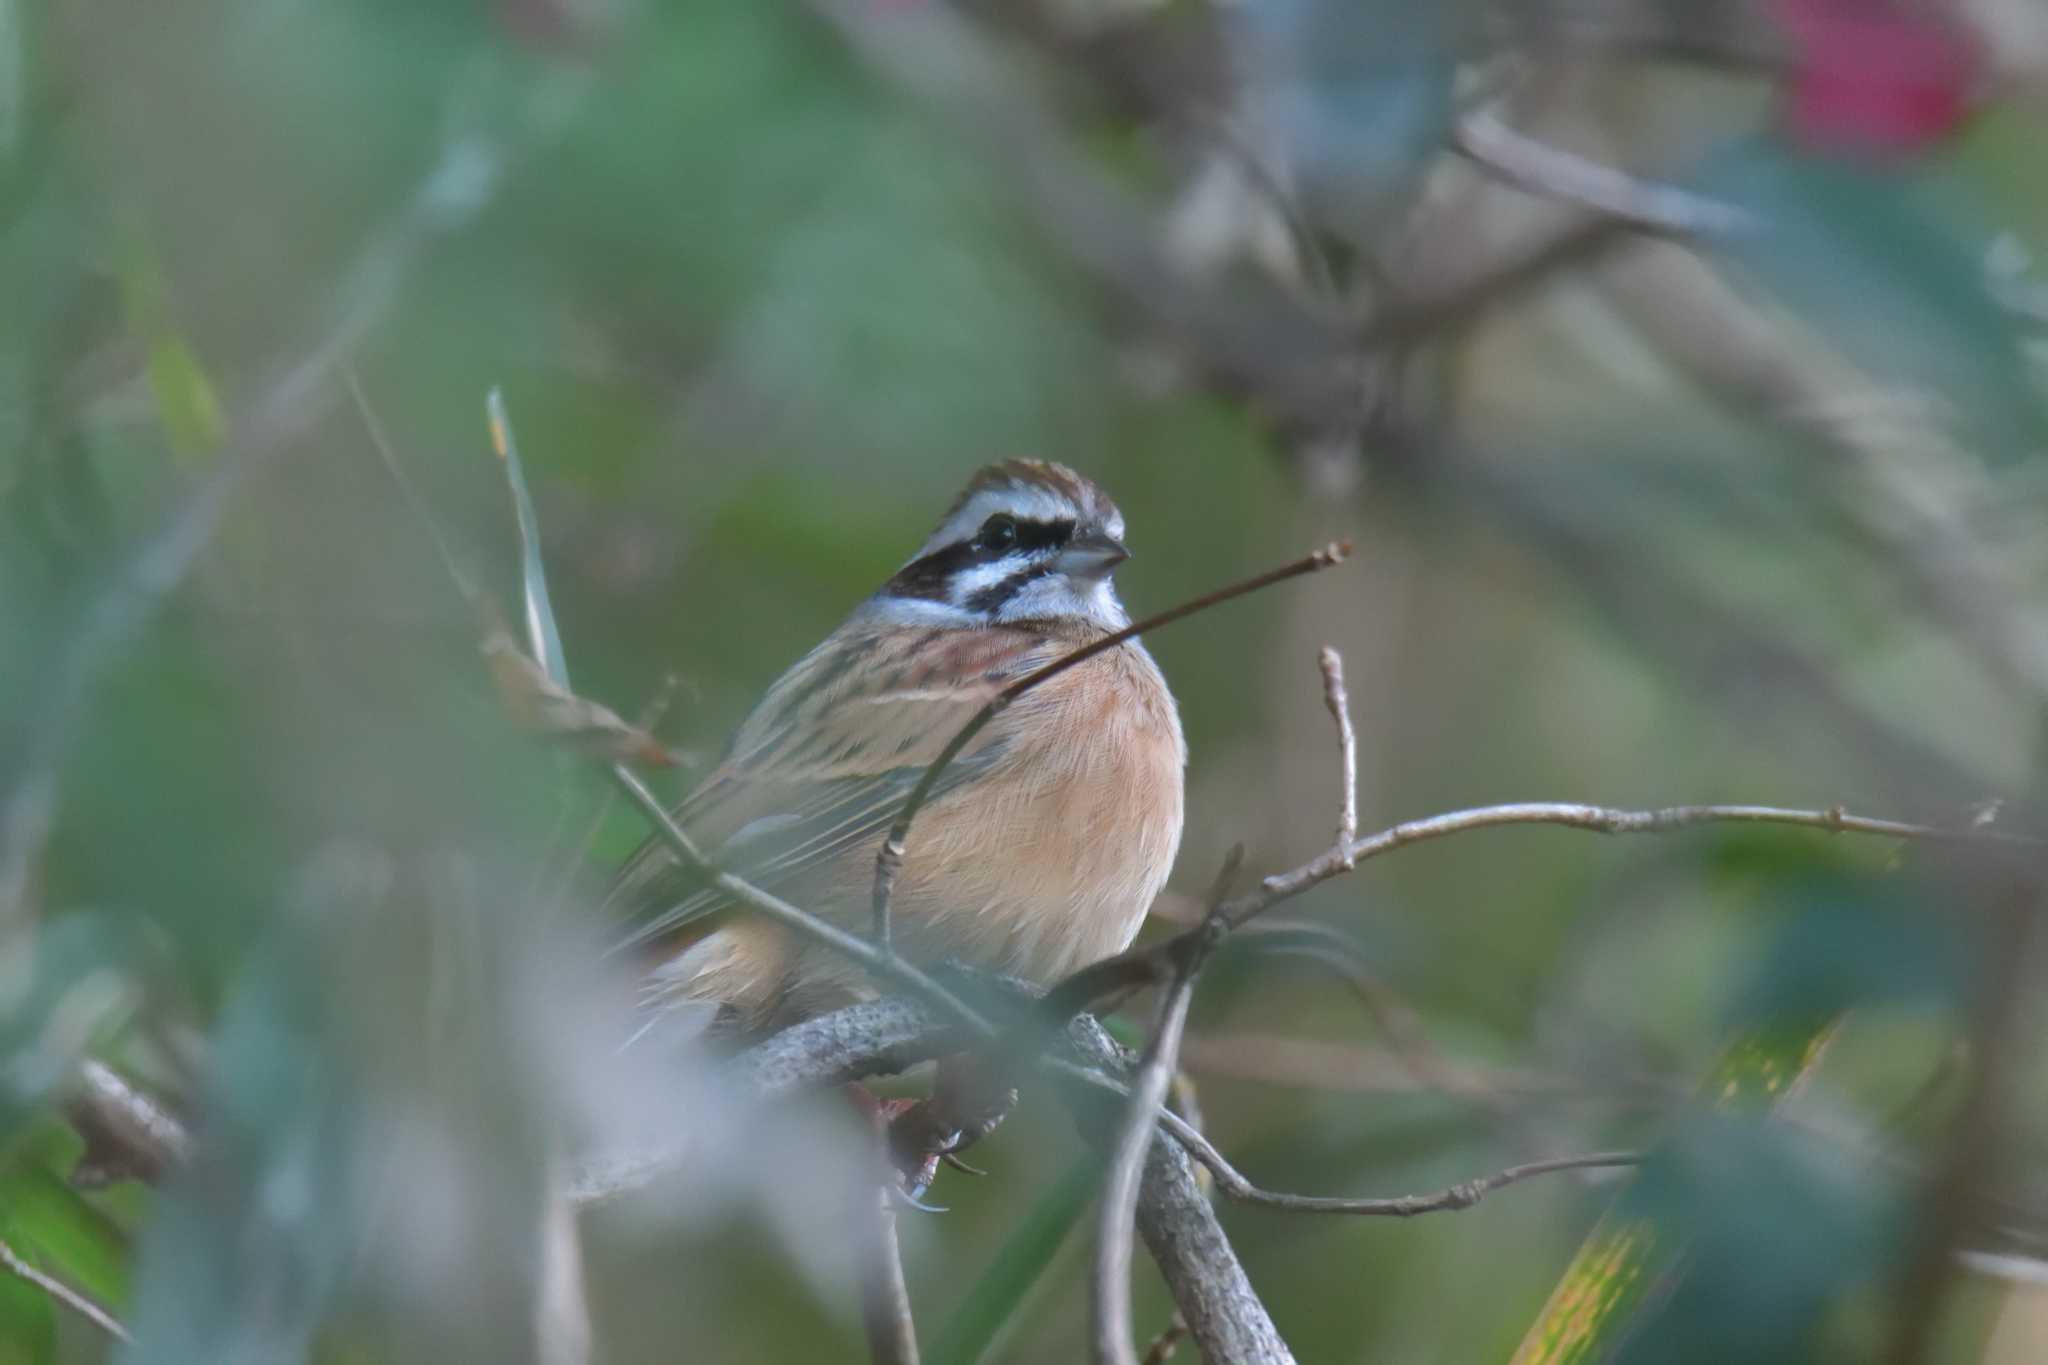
pixel 825 763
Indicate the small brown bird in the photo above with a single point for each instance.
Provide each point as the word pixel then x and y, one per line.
pixel 1046 839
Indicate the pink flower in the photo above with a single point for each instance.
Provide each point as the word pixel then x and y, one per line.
pixel 1870 78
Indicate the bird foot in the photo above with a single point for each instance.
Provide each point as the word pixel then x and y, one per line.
pixel 918 1136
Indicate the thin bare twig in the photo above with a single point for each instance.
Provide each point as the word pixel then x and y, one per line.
pixel 649 718
pixel 380 441
pixel 1153 963
pixel 1339 702
pixel 884 1295
pixel 1540 168
pixel 889 860
pixel 155 1140
pixel 1598 819
pixel 63 1293
pixel 1451 1199
pixel 1463 1195
pixel 884 964
pixel 1111 1281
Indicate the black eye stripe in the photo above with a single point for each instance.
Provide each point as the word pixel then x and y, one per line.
pixel 931 578
pixel 1026 536
pixel 995 594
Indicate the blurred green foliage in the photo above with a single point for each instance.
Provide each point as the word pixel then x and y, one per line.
pixel 758 313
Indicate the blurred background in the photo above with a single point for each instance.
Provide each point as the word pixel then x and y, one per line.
pixel 1676 367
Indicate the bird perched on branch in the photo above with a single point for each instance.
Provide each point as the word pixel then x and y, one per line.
pixel 1044 841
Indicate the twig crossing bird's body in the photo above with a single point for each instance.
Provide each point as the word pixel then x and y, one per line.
pixel 1046 839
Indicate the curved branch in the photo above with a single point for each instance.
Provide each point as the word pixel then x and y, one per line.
pixel 1342 858
pixel 875 1038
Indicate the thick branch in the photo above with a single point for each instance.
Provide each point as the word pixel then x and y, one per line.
pixel 1209 1286
pixel 875 1038
pixel 127 1133
pixel 1111 1281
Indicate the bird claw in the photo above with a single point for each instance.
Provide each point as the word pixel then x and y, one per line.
pixel 918 1173
pixel 909 1199
pixel 918 1136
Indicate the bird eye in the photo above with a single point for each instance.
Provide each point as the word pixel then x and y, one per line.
pixel 999 532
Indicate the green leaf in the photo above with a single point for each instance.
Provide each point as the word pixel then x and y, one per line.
pixel 1636 1254
pixel 186 401
pixel 52 1227
pixel 1705 1222
pixel 28 1321
pixel 65 1233
pixel 185 398
pixel 543 636
pixel 1001 1293
pixel 28 1315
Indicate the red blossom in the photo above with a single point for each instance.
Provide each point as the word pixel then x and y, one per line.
pixel 1869 77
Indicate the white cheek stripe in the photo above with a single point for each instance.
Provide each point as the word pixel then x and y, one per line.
pixel 915 611
pixel 970 581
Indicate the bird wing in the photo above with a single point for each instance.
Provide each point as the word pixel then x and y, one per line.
pixel 825 763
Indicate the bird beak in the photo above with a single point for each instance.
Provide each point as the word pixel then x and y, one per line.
pixel 1092 556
